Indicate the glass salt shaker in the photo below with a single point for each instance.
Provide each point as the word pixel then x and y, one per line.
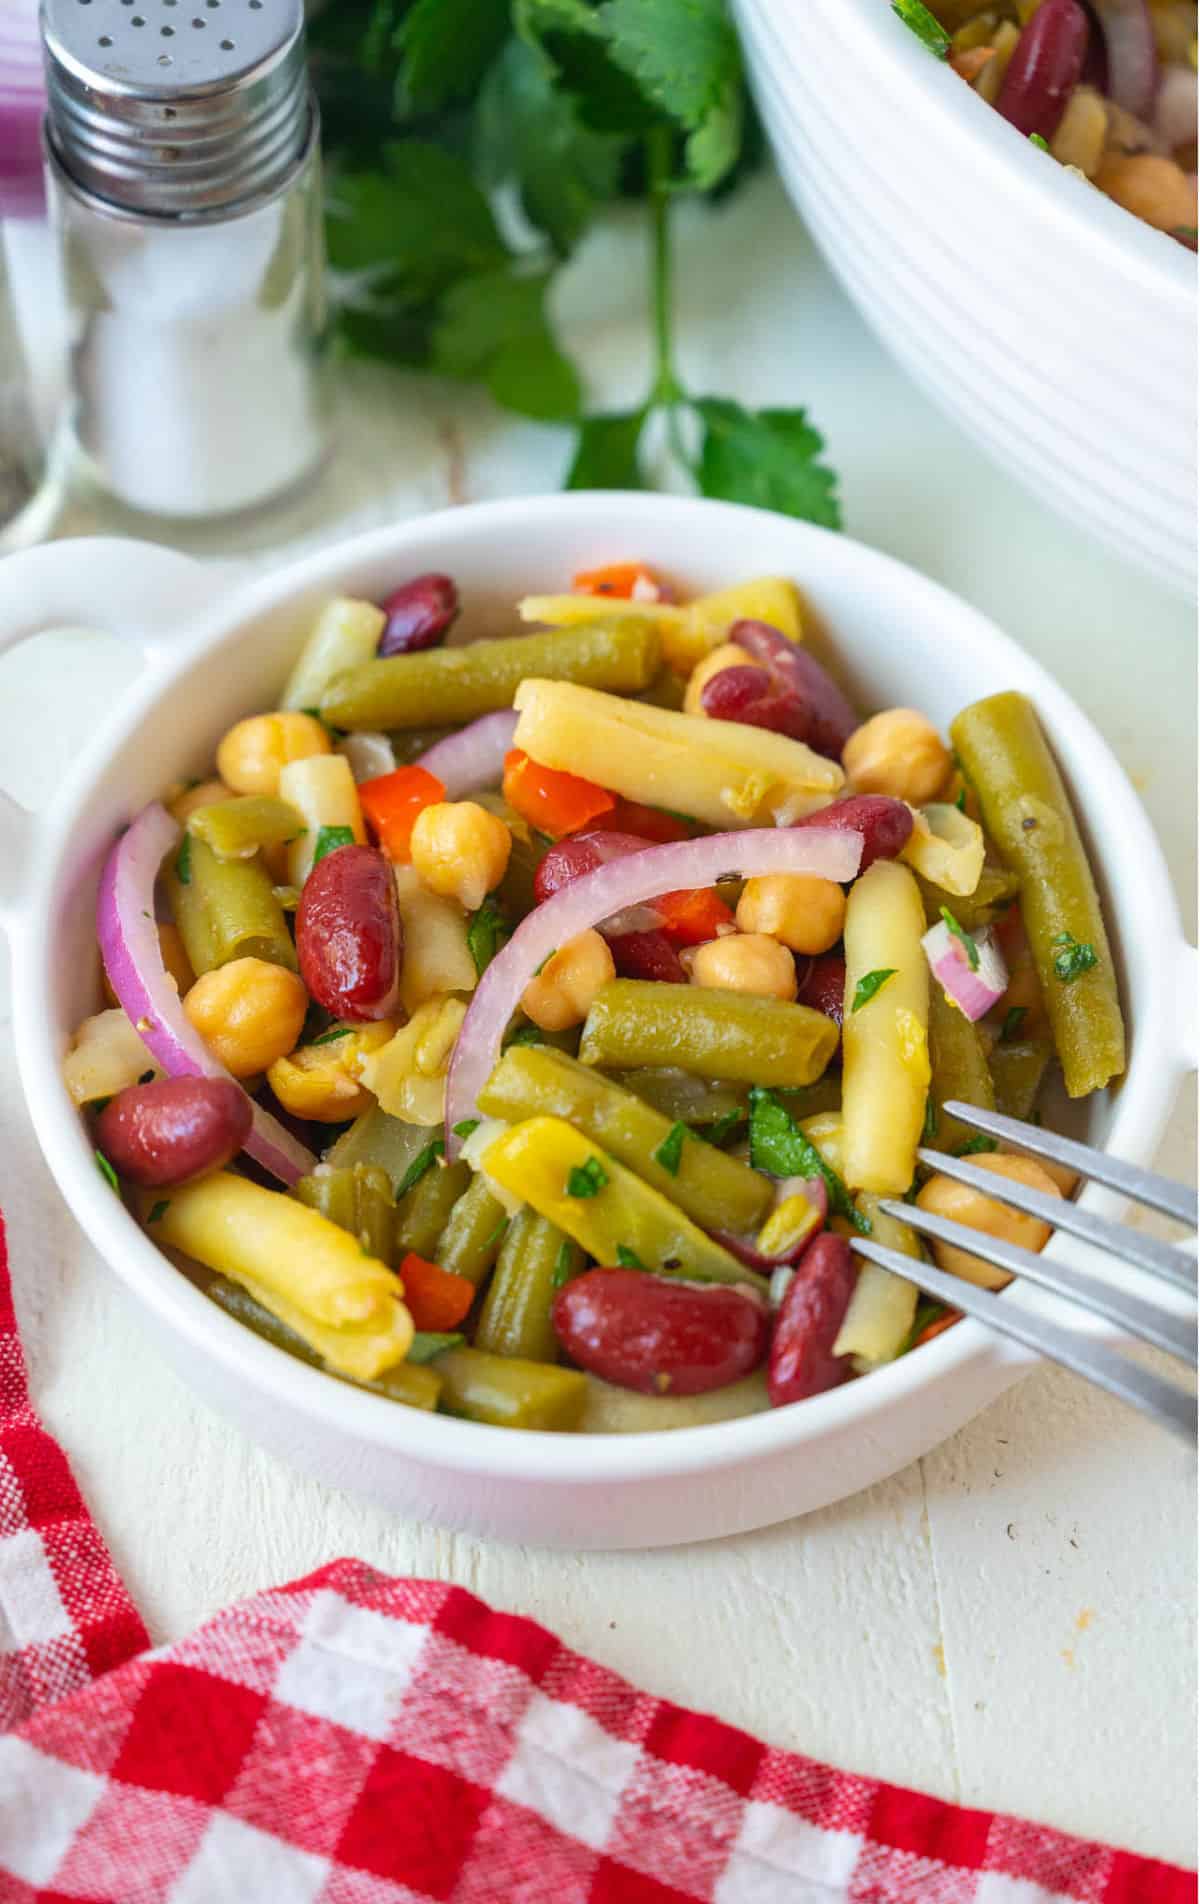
pixel 183 177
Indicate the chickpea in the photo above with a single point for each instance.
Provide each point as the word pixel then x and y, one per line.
pixel 1154 189
pixel 249 1013
pixel 728 655
pixel 561 994
pixel 320 1081
pixel 205 793
pixel 252 753
pixel 460 850
pixel 959 1204
pixel 803 912
pixel 899 753
pixel 745 962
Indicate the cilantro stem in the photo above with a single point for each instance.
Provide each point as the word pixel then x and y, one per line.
pixel 658 165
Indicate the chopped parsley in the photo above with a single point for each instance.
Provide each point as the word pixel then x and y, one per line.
pixel 107 1172
pixel 780 1148
pixel 961 802
pixel 1076 958
pixel 1014 1018
pixel 427 1343
pixel 524 1035
pixel 159 1210
pixel 627 1258
pixel 329 838
pixel 919 20
pixel 486 933
pixel 964 938
pixel 974 1144
pixel 331 1037
pixel 147 1077
pixel 1043 145
pixel 670 1152
pixel 721 1128
pixel 183 861
pixel 561 1273
pixel 423 1161
pixel 871 983
pixel 587 1180
pixel 100 1104
pixel 540 968
pixel 466 1127
pixel 929 1132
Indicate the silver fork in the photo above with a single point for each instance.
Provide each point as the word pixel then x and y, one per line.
pixel 1172 1328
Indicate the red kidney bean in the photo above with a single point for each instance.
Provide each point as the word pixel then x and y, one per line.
pixel 802 1361
pixel 571 858
pixel 647 955
pixel 166 1133
pixel 660 1336
pixel 1045 67
pixel 883 823
pixel 823 987
pixel 349 938
pixel 831 718
pixel 750 696
pixel 419 614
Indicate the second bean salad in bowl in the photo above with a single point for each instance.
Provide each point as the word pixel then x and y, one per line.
pixel 525 1030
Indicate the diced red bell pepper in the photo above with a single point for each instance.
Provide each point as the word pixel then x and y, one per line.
pixel 391 803
pixel 693 916
pixel 621 579
pixel 437 1300
pixel 554 802
pixel 648 823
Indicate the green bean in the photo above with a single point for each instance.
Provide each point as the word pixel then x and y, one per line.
pixel 622 1411
pixel 226 909
pixel 406 1382
pixel 451 685
pixel 535 1260
pixel 423 1212
pixel 813 1099
pixel 1028 815
pixel 509 1393
pixel 958 1060
pixel 359 1199
pixel 377 1138
pixel 681 1097
pixel 995 892
pixel 470 1242
pixel 879 1318
pixel 236 829
pixel 715 1190
pixel 713 1034
pixel 1017 1072
pixel 666 690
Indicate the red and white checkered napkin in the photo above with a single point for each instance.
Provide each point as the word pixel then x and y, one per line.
pixel 360 1740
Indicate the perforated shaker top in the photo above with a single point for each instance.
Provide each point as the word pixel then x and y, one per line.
pixel 176 107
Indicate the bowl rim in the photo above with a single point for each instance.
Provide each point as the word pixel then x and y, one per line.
pixel 1140 1114
pixel 887 48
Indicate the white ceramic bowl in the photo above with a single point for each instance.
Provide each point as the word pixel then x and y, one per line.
pixel 1055 328
pixel 215 650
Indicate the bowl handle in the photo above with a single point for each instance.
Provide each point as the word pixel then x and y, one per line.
pixel 138 590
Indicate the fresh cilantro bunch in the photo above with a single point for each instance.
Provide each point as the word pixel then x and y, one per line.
pixel 470 146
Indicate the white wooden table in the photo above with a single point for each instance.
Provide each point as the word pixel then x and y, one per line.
pixel 1010 1621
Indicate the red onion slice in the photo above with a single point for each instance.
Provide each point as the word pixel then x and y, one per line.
pixel 974 988
pixel 1132 54
pixel 474 757
pixel 133 961
pixel 631 881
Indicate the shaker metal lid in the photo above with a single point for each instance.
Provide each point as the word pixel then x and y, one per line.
pixel 176 107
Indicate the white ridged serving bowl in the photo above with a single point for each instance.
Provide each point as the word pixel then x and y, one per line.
pixel 1056 329
pixel 216 648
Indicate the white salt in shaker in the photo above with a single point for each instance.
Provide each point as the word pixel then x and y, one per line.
pixel 182 159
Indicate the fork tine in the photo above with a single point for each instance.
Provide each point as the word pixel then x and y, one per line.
pixel 1169 1404
pixel 1144 1186
pixel 1175 1334
pixel 1164 1260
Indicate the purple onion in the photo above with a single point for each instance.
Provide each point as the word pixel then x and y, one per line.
pixel 1132 54
pixel 1045 67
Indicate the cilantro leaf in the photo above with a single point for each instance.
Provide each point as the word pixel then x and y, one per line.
pixel 606 453
pixel 974 1144
pixel 466 1127
pixel 494 327
pixel 627 1258
pixel 107 1172
pixel 1043 145
pixel 329 838
pixel 919 20
pixel 970 949
pixel 420 221
pixel 587 1180
pixel 711 150
pixel 563 1264
pixel 423 1161
pixel 683 54
pixel 870 984
pixel 1076 958
pixel 486 933
pixel 331 1037
pixel 929 1128
pixel 529 131
pixel 159 1210
pixel 779 1147
pixel 427 1343
pixel 183 861
pixel 1014 1018
pixel 447 47
pixel 768 458
pixel 523 1035
pixel 670 1152
pixel 721 1128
